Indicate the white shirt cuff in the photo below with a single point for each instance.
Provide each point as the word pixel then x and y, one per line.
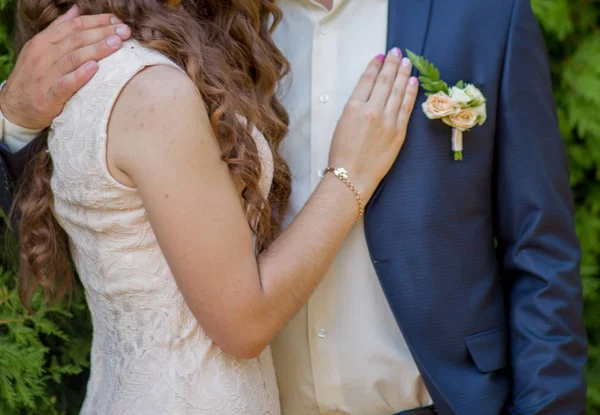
pixel 14 136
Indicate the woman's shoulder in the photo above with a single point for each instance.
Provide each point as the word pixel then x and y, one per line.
pixel 130 59
pixel 134 64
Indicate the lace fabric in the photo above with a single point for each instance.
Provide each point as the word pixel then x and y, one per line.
pixel 149 355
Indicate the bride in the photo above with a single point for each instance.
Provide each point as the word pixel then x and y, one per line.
pixel 162 182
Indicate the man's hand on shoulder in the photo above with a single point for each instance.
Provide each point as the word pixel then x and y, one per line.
pixel 56 63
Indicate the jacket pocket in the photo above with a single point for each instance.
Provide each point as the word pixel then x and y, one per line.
pixel 489 349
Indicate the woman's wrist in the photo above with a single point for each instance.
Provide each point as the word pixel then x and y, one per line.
pixel 342 175
pixel 344 199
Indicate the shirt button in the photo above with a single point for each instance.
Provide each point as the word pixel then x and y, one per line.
pixel 324 98
pixel 322 333
pixel 324 30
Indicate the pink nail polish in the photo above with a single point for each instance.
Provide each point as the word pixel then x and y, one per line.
pixel 381 58
pixel 396 52
pixel 405 62
pixel 412 81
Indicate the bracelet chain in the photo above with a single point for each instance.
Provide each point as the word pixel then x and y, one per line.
pixel 342 175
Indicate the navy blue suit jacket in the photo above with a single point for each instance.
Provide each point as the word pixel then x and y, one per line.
pixel 479 259
pixel 493 329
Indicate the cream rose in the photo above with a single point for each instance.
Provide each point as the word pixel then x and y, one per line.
pixel 464 120
pixel 440 105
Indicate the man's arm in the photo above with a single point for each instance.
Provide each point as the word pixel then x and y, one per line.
pixel 50 69
pixel 57 63
pixel 537 244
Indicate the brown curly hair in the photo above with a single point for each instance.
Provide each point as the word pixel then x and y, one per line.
pixel 227 49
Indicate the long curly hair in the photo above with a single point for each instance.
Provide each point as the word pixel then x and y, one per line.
pixel 226 48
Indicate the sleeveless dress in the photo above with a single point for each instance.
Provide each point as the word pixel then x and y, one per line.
pixel 149 355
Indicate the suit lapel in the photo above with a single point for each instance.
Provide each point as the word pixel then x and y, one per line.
pixel 408 23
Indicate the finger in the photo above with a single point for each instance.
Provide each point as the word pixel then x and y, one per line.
pixel 71 14
pixel 386 78
pixel 90 37
pixel 69 84
pixel 67 28
pixel 94 52
pixel 363 90
pixel 397 95
pixel 408 104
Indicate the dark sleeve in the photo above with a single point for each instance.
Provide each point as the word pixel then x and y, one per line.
pixel 537 245
pixel 5 193
pixel 11 170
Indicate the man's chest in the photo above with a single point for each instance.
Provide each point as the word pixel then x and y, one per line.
pixel 328 52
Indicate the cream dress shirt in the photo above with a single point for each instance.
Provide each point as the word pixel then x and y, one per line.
pixel 343 353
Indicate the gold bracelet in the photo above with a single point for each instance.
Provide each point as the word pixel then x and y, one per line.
pixel 342 174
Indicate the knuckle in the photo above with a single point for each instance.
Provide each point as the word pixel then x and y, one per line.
pixel 37 79
pixel 412 92
pixel 77 40
pixel 373 115
pixel 77 24
pixel 384 78
pixel 35 60
pixel 353 106
pixel 369 76
pixel 397 91
pixel 34 44
pixel 73 59
pixel 62 86
pixel 402 77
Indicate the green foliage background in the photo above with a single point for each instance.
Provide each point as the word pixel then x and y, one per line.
pixel 44 355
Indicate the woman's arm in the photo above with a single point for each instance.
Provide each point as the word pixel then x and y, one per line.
pixel 161 142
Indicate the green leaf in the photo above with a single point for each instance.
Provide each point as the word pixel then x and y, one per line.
pixel 430 75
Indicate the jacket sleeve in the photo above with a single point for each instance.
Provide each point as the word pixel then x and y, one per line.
pixel 12 166
pixel 538 248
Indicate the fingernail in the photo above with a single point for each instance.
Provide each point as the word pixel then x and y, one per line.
pixel 381 58
pixel 396 52
pixel 405 62
pixel 90 66
pixel 123 31
pixel 412 81
pixel 115 20
pixel 113 41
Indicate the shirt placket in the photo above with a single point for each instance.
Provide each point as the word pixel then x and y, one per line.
pixel 325 364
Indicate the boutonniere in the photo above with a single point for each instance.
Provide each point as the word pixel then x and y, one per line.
pixel 462 106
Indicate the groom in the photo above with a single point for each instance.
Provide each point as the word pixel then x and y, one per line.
pixel 462 288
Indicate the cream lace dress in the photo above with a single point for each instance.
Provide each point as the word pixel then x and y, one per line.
pixel 149 355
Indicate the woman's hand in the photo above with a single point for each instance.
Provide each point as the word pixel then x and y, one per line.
pixel 56 63
pixel 373 126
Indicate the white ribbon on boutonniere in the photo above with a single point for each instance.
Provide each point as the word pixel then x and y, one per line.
pixel 462 106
